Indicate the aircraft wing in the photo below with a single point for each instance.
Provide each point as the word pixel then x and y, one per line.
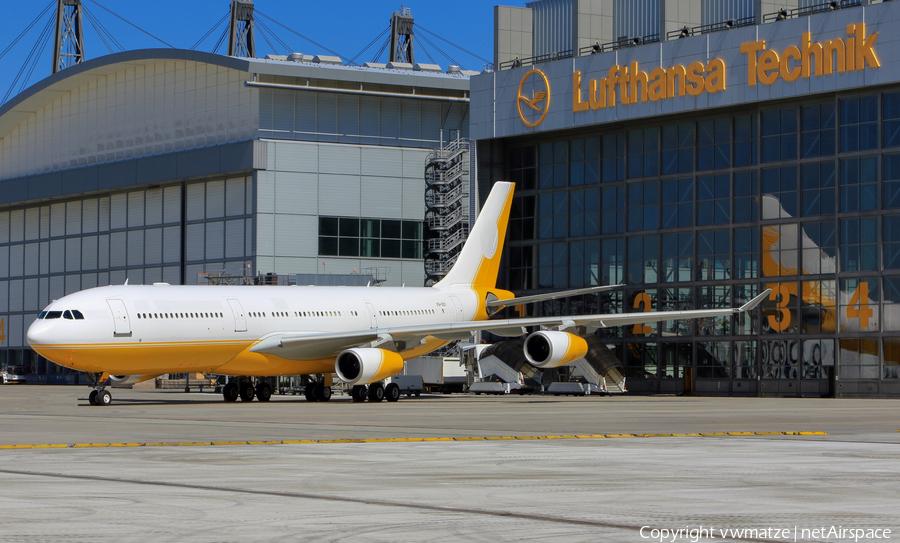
pixel 315 346
pixel 509 302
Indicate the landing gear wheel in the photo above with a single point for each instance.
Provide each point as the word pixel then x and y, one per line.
pixel 263 392
pixel 103 397
pixel 310 392
pixel 376 392
pixel 392 392
pixel 359 393
pixel 323 393
pixel 247 393
pixel 92 397
pixel 230 392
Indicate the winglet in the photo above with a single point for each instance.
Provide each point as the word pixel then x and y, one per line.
pixel 755 301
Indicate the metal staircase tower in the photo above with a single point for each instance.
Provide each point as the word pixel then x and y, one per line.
pixel 68 43
pixel 402 37
pixel 241 39
pixel 446 215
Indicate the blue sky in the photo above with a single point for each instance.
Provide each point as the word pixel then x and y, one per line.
pixel 345 27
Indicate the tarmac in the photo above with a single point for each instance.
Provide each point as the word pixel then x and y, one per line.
pixel 435 468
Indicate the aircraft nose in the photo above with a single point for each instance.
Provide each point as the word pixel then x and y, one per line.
pixel 37 333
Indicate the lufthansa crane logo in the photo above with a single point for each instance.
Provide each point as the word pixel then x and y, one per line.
pixel 539 103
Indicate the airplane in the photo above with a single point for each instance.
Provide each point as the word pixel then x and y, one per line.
pixel 131 333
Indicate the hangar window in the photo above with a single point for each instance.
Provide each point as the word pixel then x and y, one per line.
pixel 891 242
pixel 859 123
pixel 584 213
pixel 779 134
pixel 643 152
pixel 553 209
pixel 859 244
pixel 714 255
pixel 746 249
pixel 714 144
pixel 613 215
pixel 339 236
pixel 678 148
pixel 678 202
pixel 677 257
pixel 818 123
pixel 746 196
pixel 612 157
pixel 859 183
pixel 782 184
pixel 713 199
pixel 818 188
pixel 583 161
pixel 643 206
pixel 643 259
pixel 746 140
pixel 522 167
pixel 554 164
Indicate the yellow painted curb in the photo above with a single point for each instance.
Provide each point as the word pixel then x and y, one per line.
pixel 399 440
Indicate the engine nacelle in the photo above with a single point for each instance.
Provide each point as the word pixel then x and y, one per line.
pixel 551 349
pixel 361 366
pixel 121 380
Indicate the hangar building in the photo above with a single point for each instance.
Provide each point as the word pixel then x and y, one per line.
pixel 699 152
pixel 159 165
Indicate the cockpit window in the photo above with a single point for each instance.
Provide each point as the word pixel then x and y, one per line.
pixel 77 314
pixel 53 315
pixel 68 315
pixel 42 315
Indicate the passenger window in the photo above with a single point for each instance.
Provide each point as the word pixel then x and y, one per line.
pixel 67 315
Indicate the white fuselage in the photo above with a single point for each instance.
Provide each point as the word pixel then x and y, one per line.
pixel 131 329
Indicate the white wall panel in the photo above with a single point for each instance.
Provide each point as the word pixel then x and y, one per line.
pixel 4 296
pixel 171 244
pixel 88 280
pixel 103 279
pixel 296 193
pixel 152 275
pixel 265 234
pixel 369 113
pixel 45 257
pixel 326 117
pixel 339 195
pixel 116 277
pixel 30 301
pixel 117 249
pixel 16 260
pixel 16 298
pixel 58 220
pixel 136 208
pixel 103 211
pixel 4 261
pixel 4 226
pixel 73 218
pixel 153 206
pixel 43 292
pixel 89 216
pixel 390 121
pixel 215 240
pixel 348 118
pixel 153 246
pixel 134 276
pixel 234 197
pixel 118 210
pixel 413 199
pixel 414 164
pixel 32 223
pixel 89 253
pixel 295 235
pixel 234 238
pixel 248 237
pixel 17 225
pixel 381 197
pixel 73 254
pixel 15 332
pixel 194 237
pixel 431 121
pixel 73 284
pixel 172 204
pixel 295 157
pixel 32 259
pixel 265 192
pixel 410 122
pixel 135 248
pixel 305 115
pixel 215 199
pixel 196 199
pixel 103 251
pixel 382 161
pixel 45 222
pixel 172 275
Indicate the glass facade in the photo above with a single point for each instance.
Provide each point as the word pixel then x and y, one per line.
pixel 169 234
pixel 801 198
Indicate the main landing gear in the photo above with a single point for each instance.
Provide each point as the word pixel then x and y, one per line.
pixel 99 396
pixel 375 392
pixel 317 392
pixel 243 388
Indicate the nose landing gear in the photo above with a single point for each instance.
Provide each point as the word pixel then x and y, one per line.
pixel 99 396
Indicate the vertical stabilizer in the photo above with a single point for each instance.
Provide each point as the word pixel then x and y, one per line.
pixel 479 261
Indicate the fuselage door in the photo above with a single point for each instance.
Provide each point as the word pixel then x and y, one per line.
pixel 240 323
pixel 373 319
pixel 459 308
pixel 120 317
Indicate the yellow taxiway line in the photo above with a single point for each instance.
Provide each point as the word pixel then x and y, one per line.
pixel 396 440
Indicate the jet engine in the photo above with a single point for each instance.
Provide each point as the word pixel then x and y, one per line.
pixel 361 366
pixel 551 349
pixel 120 380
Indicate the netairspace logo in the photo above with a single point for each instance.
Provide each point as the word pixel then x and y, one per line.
pixel 672 535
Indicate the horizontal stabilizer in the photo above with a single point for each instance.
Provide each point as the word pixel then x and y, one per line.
pixel 549 296
pixel 755 301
